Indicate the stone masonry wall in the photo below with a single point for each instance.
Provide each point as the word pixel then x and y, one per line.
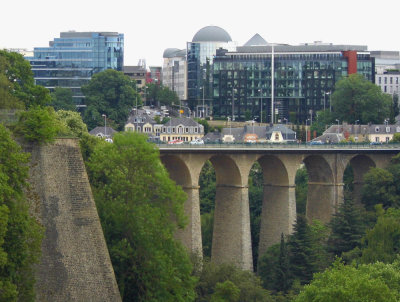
pixel 75 264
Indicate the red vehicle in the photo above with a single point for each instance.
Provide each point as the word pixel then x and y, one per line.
pixel 176 142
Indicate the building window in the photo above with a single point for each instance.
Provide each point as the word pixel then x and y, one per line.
pixel 376 129
pixel 387 129
pixel 380 80
pixel 377 139
pixel 276 136
pixel 387 139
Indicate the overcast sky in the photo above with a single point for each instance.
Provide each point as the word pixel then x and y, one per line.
pixel 151 26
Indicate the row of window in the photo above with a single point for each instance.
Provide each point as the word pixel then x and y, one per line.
pixel 392 80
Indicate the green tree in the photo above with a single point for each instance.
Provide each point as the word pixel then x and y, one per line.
pixel 225 291
pixel 383 240
pixel 161 95
pixel 207 227
pixel 396 138
pixel 356 98
pixel 373 282
pixel 38 124
pixel 323 119
pixel 140 208
pixel 61 99
pixel 18 72
pixel 71 123
pixel 301 181
pixel 347 228
pixel 247 282
pixel 207 183
pixel 20 234
pixel 380 188
pixel 112 93
pixel 301 254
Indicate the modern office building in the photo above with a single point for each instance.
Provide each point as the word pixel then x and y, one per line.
pixel 387 71
pixel 200 55
pixel 302 77
pixel 174 71
pixel 71 60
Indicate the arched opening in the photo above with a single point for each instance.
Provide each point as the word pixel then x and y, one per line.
pixel 190 236
pixel 354 175
pixel 278 203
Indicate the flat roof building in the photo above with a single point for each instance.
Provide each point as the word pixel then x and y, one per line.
pixel 71 60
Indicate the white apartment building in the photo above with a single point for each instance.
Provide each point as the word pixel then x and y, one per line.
pixel 174 73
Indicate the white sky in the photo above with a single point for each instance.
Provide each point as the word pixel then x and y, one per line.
pixel 152 26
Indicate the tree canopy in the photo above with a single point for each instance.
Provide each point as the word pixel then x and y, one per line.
pixel 356 98
pixel 160 95
pixel 112 93
pixel 20 234
pixel 61 99
pixel 373 282
pixel 140 208
pixel 21 86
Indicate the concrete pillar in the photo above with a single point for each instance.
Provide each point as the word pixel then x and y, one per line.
pixel 231 235
pixel 278 214
pixel 322 200
pixel 190 236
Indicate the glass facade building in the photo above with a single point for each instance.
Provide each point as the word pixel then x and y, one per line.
pixel 200 54
pixel 71 60
pixel 304 78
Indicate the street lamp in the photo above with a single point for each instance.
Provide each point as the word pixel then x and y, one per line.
pixel 233 102
pixel 230 126
pixel 307 130
pixel 105 125
pixel 355 134
pixel 337 126
pixel 272 82
pixel 285 119
pixel 261 95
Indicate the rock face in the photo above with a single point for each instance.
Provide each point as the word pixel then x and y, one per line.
pixel 75 264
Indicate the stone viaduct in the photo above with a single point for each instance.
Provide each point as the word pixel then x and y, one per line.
pixel 231 235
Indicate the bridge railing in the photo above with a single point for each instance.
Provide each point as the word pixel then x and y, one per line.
pixel 281 146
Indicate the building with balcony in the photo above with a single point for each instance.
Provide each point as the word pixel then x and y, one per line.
pixel 71 60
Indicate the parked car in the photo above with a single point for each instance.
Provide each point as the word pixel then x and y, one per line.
pixel 197 141
pixel 375 143
pixel 316 143
pixel 175 142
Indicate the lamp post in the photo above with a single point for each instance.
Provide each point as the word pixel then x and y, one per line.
pixel 337 126
pixel 233 102
pixel 203 103
pixel 230 126
pixel 105 125
pixel 285 119
pixel 355 134
pixel 261 95
pixel 272 82
pixel 307 130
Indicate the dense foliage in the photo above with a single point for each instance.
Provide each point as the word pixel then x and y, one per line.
pixel 20 234
pixel 140 208
pixel 356 98
pixel 17 84
pixel 372 282
pixel 160 95
pixel 38 124
pixel 61 99
pixel 112 93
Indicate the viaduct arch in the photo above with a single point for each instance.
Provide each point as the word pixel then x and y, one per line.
pixel 231 234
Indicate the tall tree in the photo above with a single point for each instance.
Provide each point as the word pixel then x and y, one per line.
pixel 62 99
pixel 356 98
pixel 383 240
pixel 140 208
pixel 347 228
pixel 160 95
pixel 20 234
pixel 112 93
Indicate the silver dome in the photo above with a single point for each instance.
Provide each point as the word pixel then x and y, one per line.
pixel 212 34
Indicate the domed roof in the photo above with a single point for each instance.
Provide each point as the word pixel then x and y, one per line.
pixel 211 34
pixel 170 52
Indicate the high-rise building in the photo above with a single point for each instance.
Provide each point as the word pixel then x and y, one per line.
pixel 302 78
pixel 174 71
pixel 200 55
pixel 71 60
